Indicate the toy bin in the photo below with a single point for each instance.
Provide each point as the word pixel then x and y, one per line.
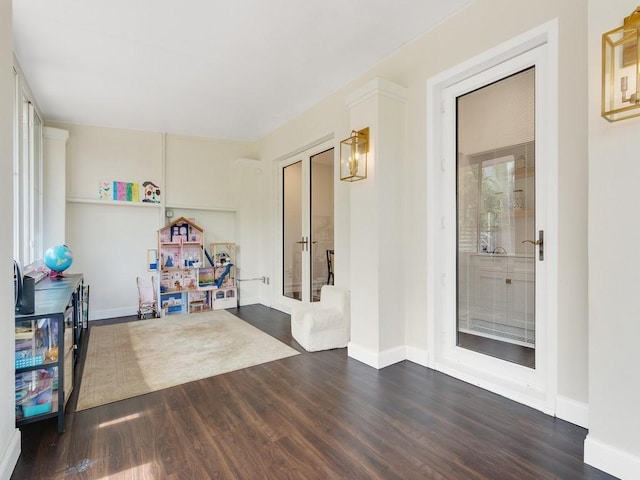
pixel 29 358
pixel 34 393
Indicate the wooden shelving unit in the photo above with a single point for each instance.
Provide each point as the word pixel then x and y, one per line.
pixel 188 283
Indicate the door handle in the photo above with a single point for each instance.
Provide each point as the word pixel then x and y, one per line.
pixel 304 243
pixel 539 243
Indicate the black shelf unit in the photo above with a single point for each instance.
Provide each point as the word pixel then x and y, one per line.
pixel 61 301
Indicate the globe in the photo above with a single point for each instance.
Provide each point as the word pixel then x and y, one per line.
pixel 58 258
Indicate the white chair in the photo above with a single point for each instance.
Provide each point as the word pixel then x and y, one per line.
pixel 325 324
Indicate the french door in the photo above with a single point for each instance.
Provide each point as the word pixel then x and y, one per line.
pixel 307 225
pixel 493 193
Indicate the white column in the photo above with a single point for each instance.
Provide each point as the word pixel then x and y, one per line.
pixel 377 212
pixel 54 186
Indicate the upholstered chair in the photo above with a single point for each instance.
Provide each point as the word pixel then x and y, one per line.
pixel 325 324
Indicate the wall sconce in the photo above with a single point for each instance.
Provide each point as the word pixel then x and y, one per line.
pixel 621 70
pixel 353 156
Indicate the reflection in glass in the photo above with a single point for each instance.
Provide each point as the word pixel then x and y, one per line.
pixel 321 221
pixel 496 212
pixel 308 226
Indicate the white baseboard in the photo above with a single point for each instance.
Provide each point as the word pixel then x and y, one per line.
pixel 364 355
pixel 112 313
pixel 417 355
pixel 377 360
pixel 128 311
pixel 10 455
pixel 242 301
pixel 610 459
pixel 572 411
pixel 391 356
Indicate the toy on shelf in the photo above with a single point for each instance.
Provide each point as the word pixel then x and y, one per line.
pixel 57 259
pixel 224 256
pixel 224 272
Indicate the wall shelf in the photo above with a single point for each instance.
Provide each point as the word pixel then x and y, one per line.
pixel 118 203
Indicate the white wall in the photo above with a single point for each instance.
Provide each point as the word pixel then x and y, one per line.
pixel 485 24
pixel 613 443
pixel 198 178
pixel 9 435
pixel 612 169
pixel 201 171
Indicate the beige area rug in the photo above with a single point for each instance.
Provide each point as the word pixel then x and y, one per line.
pixel 129 359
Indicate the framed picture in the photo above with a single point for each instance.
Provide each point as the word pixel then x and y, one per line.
pixel 152 259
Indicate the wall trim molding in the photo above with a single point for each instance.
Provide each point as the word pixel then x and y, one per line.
pixel 246 162
pixel 55 133
pixel 610 459
pixel 11 454
pixel 304 148
pixel 572 411
pixel 377 87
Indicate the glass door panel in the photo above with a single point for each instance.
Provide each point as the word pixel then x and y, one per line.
pixel 495 197
pixel 307 219
pixel 321 222
pixel 292 231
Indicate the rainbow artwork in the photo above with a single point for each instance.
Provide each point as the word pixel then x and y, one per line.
pixel 122 191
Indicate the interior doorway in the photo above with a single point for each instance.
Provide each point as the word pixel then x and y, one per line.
pixel 307 224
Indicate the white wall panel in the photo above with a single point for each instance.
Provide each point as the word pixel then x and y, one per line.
pixel 9 435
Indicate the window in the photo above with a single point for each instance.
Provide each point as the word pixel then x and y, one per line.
pixel 27 176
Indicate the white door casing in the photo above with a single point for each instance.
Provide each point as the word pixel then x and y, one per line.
pixel 304 156
pixel 535 387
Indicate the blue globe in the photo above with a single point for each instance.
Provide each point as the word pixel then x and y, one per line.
pixel 58 258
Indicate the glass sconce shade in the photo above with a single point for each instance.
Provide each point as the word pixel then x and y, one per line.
pixel 621 70
pixel 353 156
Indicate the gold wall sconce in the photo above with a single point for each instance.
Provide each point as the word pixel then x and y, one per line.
pixel 621 70
pixel 353 156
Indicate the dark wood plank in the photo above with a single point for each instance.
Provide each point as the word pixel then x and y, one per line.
pixel 313 416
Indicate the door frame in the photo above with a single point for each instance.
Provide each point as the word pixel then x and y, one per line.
pixel 281 302
pixel 512 381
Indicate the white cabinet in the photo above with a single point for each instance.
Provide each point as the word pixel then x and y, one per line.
pixel 502 298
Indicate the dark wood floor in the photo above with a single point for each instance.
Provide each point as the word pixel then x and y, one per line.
pixel 312 416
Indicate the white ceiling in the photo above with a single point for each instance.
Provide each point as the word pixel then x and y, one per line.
pixel 234 69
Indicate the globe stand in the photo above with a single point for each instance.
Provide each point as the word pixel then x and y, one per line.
pixel 54 274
